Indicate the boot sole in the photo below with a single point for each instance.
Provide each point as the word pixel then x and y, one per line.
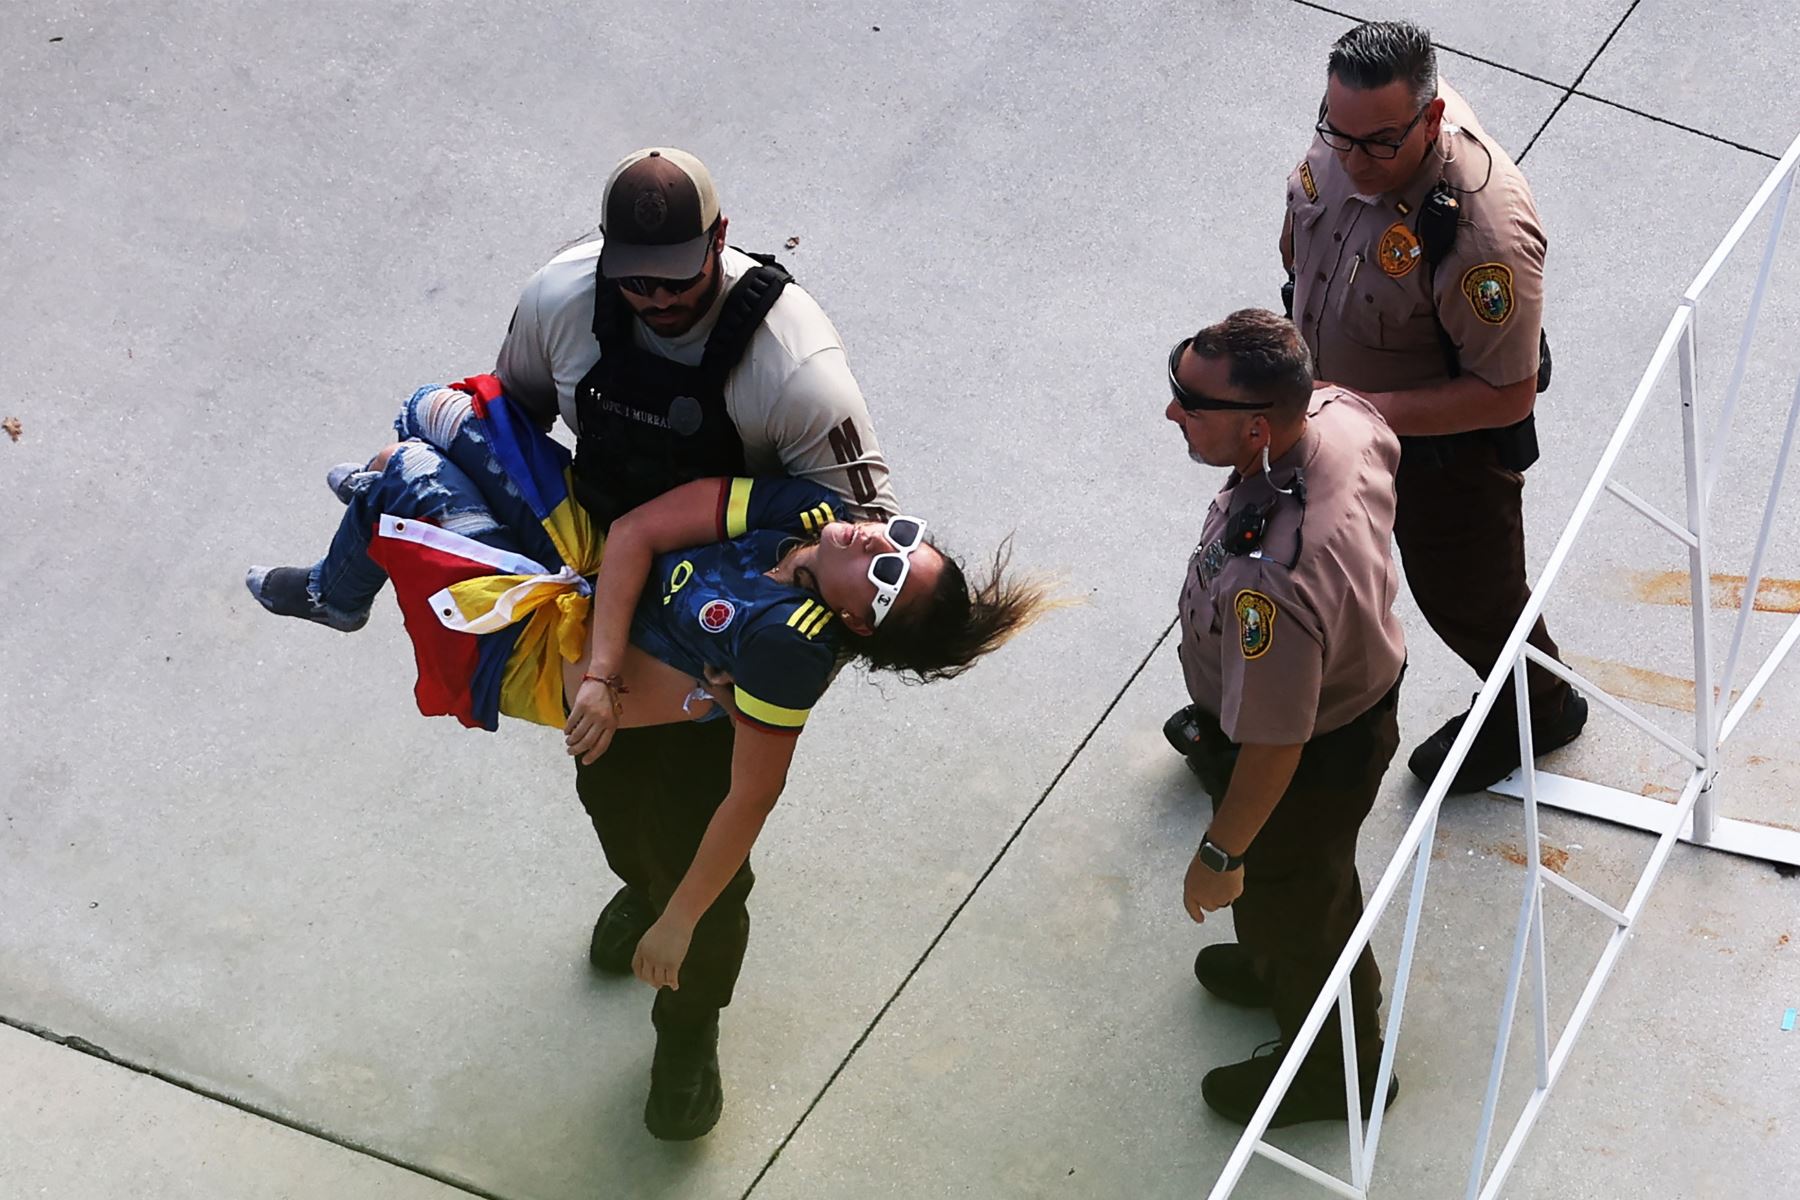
pixel 683 1133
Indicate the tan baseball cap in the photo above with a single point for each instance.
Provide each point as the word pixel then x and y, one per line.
pixel 658 215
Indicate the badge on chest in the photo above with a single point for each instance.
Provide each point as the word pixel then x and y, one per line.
pixel 1211 560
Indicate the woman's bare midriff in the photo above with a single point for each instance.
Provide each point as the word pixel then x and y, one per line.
pixel 656 690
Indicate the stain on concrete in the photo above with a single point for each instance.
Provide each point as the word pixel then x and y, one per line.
pixel 1636 683
pixel 1727 591
pixel 1553 858
pixel 1627 682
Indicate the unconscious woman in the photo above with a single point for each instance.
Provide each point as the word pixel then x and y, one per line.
pixel 755 584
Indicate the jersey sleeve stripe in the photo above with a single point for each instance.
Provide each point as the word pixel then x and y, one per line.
pixel 803 613
pixel 811 627
pixel 771 716
pixel 735 509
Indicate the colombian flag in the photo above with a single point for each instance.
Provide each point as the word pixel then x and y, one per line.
pixel 491 629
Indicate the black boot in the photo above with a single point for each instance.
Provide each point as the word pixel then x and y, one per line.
pixel 1225 969
pixel 1234 1092
pixel 1495 752
pixel 686 1095
pixel 624 920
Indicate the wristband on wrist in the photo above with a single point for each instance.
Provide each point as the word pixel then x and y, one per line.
pixel 615 682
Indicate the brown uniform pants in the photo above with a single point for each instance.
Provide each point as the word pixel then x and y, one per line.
pixel 651 796
pixel 1461 532
pixel 1302 896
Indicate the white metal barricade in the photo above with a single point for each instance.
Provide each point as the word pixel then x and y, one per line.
pixel 1691 818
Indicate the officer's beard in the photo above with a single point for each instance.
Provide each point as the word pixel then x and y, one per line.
pixel 678 319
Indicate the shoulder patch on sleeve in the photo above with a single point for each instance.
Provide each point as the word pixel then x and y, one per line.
pixel 1256 623
pixel 1306 181
pixel 1489 288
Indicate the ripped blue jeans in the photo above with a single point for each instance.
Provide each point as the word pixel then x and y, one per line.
pixel 442 472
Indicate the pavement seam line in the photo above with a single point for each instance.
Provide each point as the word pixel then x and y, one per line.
pixel 1638 112
pixel 961 905
pixel 82 1046
pixel 1567 88
pixel 1570 91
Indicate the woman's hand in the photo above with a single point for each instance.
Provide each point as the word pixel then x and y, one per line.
pixel 593 719
pixel 660 953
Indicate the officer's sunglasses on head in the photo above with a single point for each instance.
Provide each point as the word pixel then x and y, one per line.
pixel 1373 147
pixel 889 569
pixel 648 285
pixel 1192 401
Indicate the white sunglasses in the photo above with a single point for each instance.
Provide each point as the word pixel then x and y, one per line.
pixel 889 569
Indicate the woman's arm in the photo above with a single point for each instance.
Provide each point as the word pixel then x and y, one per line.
pixel 679 518
pixel 759 766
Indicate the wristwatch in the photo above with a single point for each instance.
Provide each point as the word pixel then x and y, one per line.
pixel 1214 858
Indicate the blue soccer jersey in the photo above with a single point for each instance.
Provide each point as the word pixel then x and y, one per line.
pixel 713 606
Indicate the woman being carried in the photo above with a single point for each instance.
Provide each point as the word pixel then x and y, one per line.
pixel 755 582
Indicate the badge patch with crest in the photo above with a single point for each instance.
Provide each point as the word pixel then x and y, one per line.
pixel 715 615
pixel 1489 288
pixel 1399 250
pixel 1256 623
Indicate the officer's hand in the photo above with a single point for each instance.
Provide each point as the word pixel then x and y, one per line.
pixel 660 953
pixel 720 685
pixel 1206 890
pixel 593 719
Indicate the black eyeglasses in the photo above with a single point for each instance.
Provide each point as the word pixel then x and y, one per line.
pixel 1373 147
pixel 648 285
pixel 1192 401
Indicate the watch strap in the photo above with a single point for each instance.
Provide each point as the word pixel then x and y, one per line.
pixel 1215 858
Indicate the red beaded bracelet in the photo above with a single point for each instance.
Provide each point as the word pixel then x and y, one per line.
pixel 615 682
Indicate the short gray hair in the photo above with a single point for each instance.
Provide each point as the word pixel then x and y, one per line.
pixel 1376 53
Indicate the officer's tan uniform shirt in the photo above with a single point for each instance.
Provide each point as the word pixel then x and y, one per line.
pixel 1282 654
pixel 1364 294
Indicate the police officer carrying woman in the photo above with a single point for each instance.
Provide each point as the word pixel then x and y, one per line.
pixel 1292 656
pixel 673 356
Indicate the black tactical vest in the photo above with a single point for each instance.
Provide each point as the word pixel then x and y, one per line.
pixel 648 424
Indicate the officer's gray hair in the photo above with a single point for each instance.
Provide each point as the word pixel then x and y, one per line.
pixel 1268 359
pixel 1376 53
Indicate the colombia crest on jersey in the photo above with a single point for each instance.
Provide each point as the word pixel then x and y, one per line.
pixel 713 606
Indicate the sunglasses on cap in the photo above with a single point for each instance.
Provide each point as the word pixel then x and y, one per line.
pixel 1192 401
pixel 889 569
